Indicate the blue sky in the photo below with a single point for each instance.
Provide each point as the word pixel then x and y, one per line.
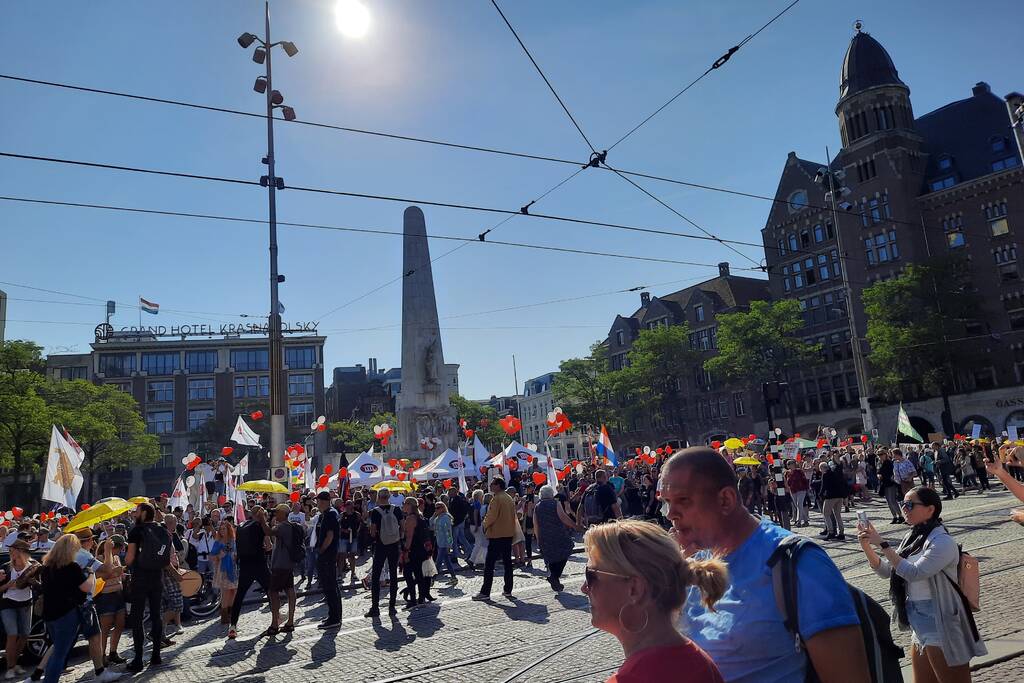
pixel 447 70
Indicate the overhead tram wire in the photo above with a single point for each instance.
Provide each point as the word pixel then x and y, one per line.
pixel 598 159
pixel 369 231
pixel 717 64
pixel 388 198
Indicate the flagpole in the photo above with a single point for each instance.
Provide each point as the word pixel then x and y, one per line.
pixel 140 312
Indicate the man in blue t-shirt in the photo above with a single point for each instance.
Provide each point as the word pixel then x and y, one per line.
pixel 745 635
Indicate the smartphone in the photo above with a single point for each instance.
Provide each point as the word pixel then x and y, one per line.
pixel 862 518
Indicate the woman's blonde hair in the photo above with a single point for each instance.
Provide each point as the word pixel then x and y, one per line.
pixel 63 551
pixel 645 550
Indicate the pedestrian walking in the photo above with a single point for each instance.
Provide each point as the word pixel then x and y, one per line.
pixel 225 577
pixel 944 461
pixel 890 488
pixel 553 527
pixel 252 537
pixel 328 530
pixel 500 527
pixel 289 540
pixel 415 551
pixel 442 525
pixel 385 529
pixel 833 490
pixel 148 556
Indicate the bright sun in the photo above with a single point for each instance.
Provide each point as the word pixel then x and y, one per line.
pixel 352 18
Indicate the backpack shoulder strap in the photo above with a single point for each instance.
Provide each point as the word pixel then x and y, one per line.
pixel 784 581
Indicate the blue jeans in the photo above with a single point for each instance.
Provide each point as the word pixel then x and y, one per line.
pixel 444 559
pixel 461 541
pixel 310 570
pixel 63 632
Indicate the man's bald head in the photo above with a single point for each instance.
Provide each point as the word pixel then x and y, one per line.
pixel 706 464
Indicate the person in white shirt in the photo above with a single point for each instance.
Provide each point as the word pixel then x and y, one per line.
pixel 309 570
pixel 42 542
pixel 297 516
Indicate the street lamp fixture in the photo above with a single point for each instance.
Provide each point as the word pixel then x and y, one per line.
pixel 289 48
pixel 258 55
pixel 246 39
pixel 288 113
pixel 260 85
pixel 276 97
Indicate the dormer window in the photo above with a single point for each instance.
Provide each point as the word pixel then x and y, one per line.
pixel 997 143
pixel 797 201
pixel 945 162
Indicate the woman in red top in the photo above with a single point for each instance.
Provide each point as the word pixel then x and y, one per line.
pixel 637 581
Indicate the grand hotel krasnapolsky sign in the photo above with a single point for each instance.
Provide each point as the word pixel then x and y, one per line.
pixel 106 332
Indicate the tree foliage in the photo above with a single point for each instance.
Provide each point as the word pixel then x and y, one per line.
pixel 761 344
pixel 25 417
pixel 483 419
pixel 356 436
pixel 660 361
pixel 587 389
pixel 908 320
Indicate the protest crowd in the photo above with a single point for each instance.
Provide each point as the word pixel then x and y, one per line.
pixel 687 553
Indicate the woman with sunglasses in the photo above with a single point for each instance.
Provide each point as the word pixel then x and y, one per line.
pixel 926 598
pixel 637 581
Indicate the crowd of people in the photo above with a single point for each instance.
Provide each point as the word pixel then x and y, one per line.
pixel 683 580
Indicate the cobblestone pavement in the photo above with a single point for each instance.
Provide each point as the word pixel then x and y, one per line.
pixel 456 639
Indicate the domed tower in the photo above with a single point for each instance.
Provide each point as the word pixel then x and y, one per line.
pixel 872 98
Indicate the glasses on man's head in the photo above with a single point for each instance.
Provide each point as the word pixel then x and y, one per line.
pixel 590 575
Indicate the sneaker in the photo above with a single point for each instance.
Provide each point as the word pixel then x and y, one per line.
pixel 109 675
pixel 481 597
pixel 135 666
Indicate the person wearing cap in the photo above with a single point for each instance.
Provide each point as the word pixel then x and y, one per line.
pixel 16 603
pixel 327 533
pixel 282 569
pixel 42 541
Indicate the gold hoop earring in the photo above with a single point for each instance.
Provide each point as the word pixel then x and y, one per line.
pixel 625 628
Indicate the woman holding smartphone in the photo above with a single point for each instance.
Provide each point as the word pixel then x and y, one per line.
pixel 922 573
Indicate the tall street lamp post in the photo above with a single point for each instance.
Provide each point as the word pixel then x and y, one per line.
pixel 275 100
pixel 836 190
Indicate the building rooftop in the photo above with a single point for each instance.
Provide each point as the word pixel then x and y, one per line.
pixel 866 65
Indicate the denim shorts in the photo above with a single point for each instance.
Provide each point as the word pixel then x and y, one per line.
pixel 921 615
pixel 110 603
pixel 346 546
pixel 17 620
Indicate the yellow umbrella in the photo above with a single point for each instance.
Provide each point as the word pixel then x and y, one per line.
pixel 746 460
pixel 263 486
pixel 395 486
pixel 100 512
pixel 138 499
pixel 733 444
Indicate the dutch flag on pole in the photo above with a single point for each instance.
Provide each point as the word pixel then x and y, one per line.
pixel 149 306
pixel 604 446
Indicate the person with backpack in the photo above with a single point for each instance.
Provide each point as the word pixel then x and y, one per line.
pixel 385 529
pixel 148 556
pixel 745 633
pixel 924 584
pixel 417 548
pixel 328 531
pixel 289 550
pixel 250 538
pixel 600 502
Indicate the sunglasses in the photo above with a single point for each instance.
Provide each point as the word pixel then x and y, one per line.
pixel 590 575
pixel 908 505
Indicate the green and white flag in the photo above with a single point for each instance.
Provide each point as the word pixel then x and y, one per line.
pixel 904 427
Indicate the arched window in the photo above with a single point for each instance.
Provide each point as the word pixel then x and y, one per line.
pixel 797 201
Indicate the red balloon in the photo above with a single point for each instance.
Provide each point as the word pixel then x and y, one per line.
pixel 321 427
pixel 62 521
pixel 863 438
pixel 221 500
pixel 483 471
pixel 797 435
pixel 447 483
pixel 85 506
pixel 513 464
pixel 294 496
pixel 256 415
pixel 416 465
pixel 17 512
pixel 402 476
pixel 470 433
pixel 539 478
pixel 328 468
pixel 343 472
pixel 639 450
pixel 227 450
pixel 194 463
pixel 668 450
pixel 322 481
pixel 575 462
pixel 660 451
pixel 393 462
pixel 716 444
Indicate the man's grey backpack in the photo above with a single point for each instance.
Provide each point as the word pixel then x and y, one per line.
pixel 389 532
pixel 883 654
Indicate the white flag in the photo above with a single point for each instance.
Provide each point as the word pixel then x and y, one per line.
pixel 552 474
pixel 64 478
pixel 244 435
pixel 179 496
pixel 241 470
pixel 463 486
pixel 480 454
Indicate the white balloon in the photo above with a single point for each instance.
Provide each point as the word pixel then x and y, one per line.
pixel 190 482
pixel 551 416
pixel 376 429
pixel 647 450
pixel 579 468
pixel 313 426
pixel 778 431
pixel 321 420
pixel 186 459
pixel 8 515
pixel 558 410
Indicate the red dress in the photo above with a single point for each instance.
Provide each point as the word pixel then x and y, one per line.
pixel 684 663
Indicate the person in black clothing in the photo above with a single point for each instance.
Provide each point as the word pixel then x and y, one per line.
pixel 348 547
pixel 889 487
pixel 252 560
pixel 147 581
pixel 385 549
pixel 606 498
pixel 459 508
pixel 944 464
pixel 328 531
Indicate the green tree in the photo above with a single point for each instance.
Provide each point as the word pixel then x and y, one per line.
pixel 483 419
pixel 660 361
pixel 909 320
pixel 356 436
pixel 761 345
pixel 587 389
pixel 25 419
pixel 107 425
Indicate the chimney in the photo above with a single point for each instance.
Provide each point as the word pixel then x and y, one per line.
pixel 723 269
pixel 645 298
pixel 981 88
pixel 372 367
